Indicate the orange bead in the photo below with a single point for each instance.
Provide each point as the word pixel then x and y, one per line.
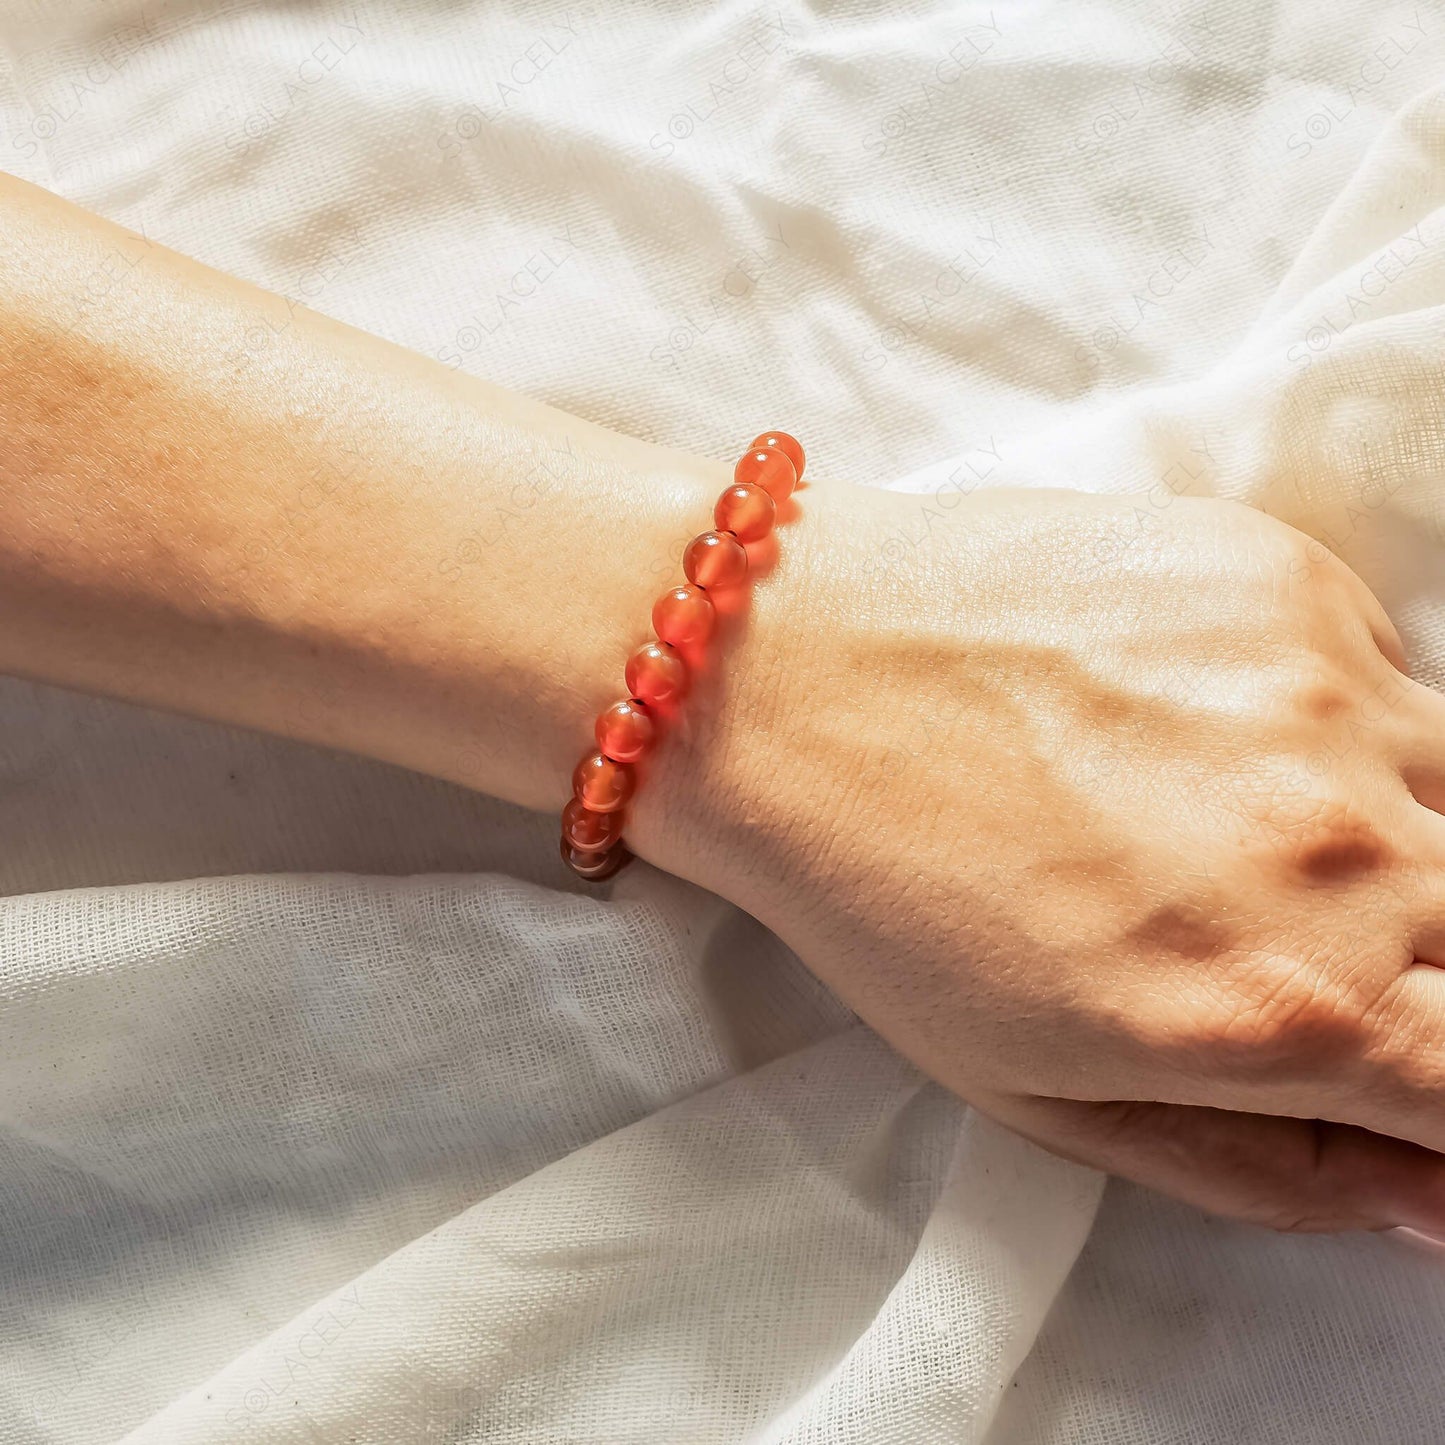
pixel 747 511
pixel 603 785
pixel 685 615
pixel 656 674
pixel 769 468
pixel 587 830
pixel 789 446
pixel 715 559
pixel 624 731
pixel 595 866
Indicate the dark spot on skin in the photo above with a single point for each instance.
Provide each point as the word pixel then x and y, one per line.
pixel 1183 929
pixel 1337 849
pixel 1321 701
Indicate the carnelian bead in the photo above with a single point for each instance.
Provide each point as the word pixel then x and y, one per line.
pixel 602 784
pixel 592 865
pixel 746 511
pixel 589 830
pixel 656 674
pixel 769 468
pixel 715 559
pixel 789 446
pixel 624 731
pixel 684 616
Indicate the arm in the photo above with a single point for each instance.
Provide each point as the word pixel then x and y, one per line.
pixel 222 505
pixel 1055 827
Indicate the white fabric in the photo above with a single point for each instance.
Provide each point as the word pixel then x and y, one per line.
pixel 328 1112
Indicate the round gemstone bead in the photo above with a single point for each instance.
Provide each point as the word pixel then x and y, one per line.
pixel 684 616
pixel 602 784
pixel 747 511
pixel 656 674
pixel 624 731
pixel 594 866
pixel 768 468
pixel 587 830
pixel 715 559
pixel 789 446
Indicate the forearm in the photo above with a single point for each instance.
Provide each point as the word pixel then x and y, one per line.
pixel 220 504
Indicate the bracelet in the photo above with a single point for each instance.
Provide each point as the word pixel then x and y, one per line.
pixel 656 673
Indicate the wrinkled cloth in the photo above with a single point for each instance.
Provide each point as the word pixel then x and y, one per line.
pixel 329 1110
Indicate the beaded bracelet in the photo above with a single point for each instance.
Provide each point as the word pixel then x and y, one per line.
pixel 657 673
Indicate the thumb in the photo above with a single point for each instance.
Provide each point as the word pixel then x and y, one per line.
pixel 1305 1175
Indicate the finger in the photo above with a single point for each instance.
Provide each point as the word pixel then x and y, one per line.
pixel 1402 1088
pixel 1395 1082
pixel 1387 637
pixel 1407 901
pixel 1420 892
pixel 1294 1174
pixel 1420 745
pixel 1386 634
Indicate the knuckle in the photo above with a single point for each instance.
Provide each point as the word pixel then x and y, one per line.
pixel 1284 1017
pixel 1405 723
pixel 1410 1076
pixel 1405 1060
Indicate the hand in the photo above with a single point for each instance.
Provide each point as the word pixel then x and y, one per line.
pixel 1124 832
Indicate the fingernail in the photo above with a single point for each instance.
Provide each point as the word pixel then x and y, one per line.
pixel 1418 1239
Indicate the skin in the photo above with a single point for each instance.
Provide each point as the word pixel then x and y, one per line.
pixel 1129 837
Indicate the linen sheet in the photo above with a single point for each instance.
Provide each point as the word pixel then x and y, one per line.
pixel 330 1110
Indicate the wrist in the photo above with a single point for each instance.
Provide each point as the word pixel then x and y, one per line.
pixel 717 805
pixel 517 722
